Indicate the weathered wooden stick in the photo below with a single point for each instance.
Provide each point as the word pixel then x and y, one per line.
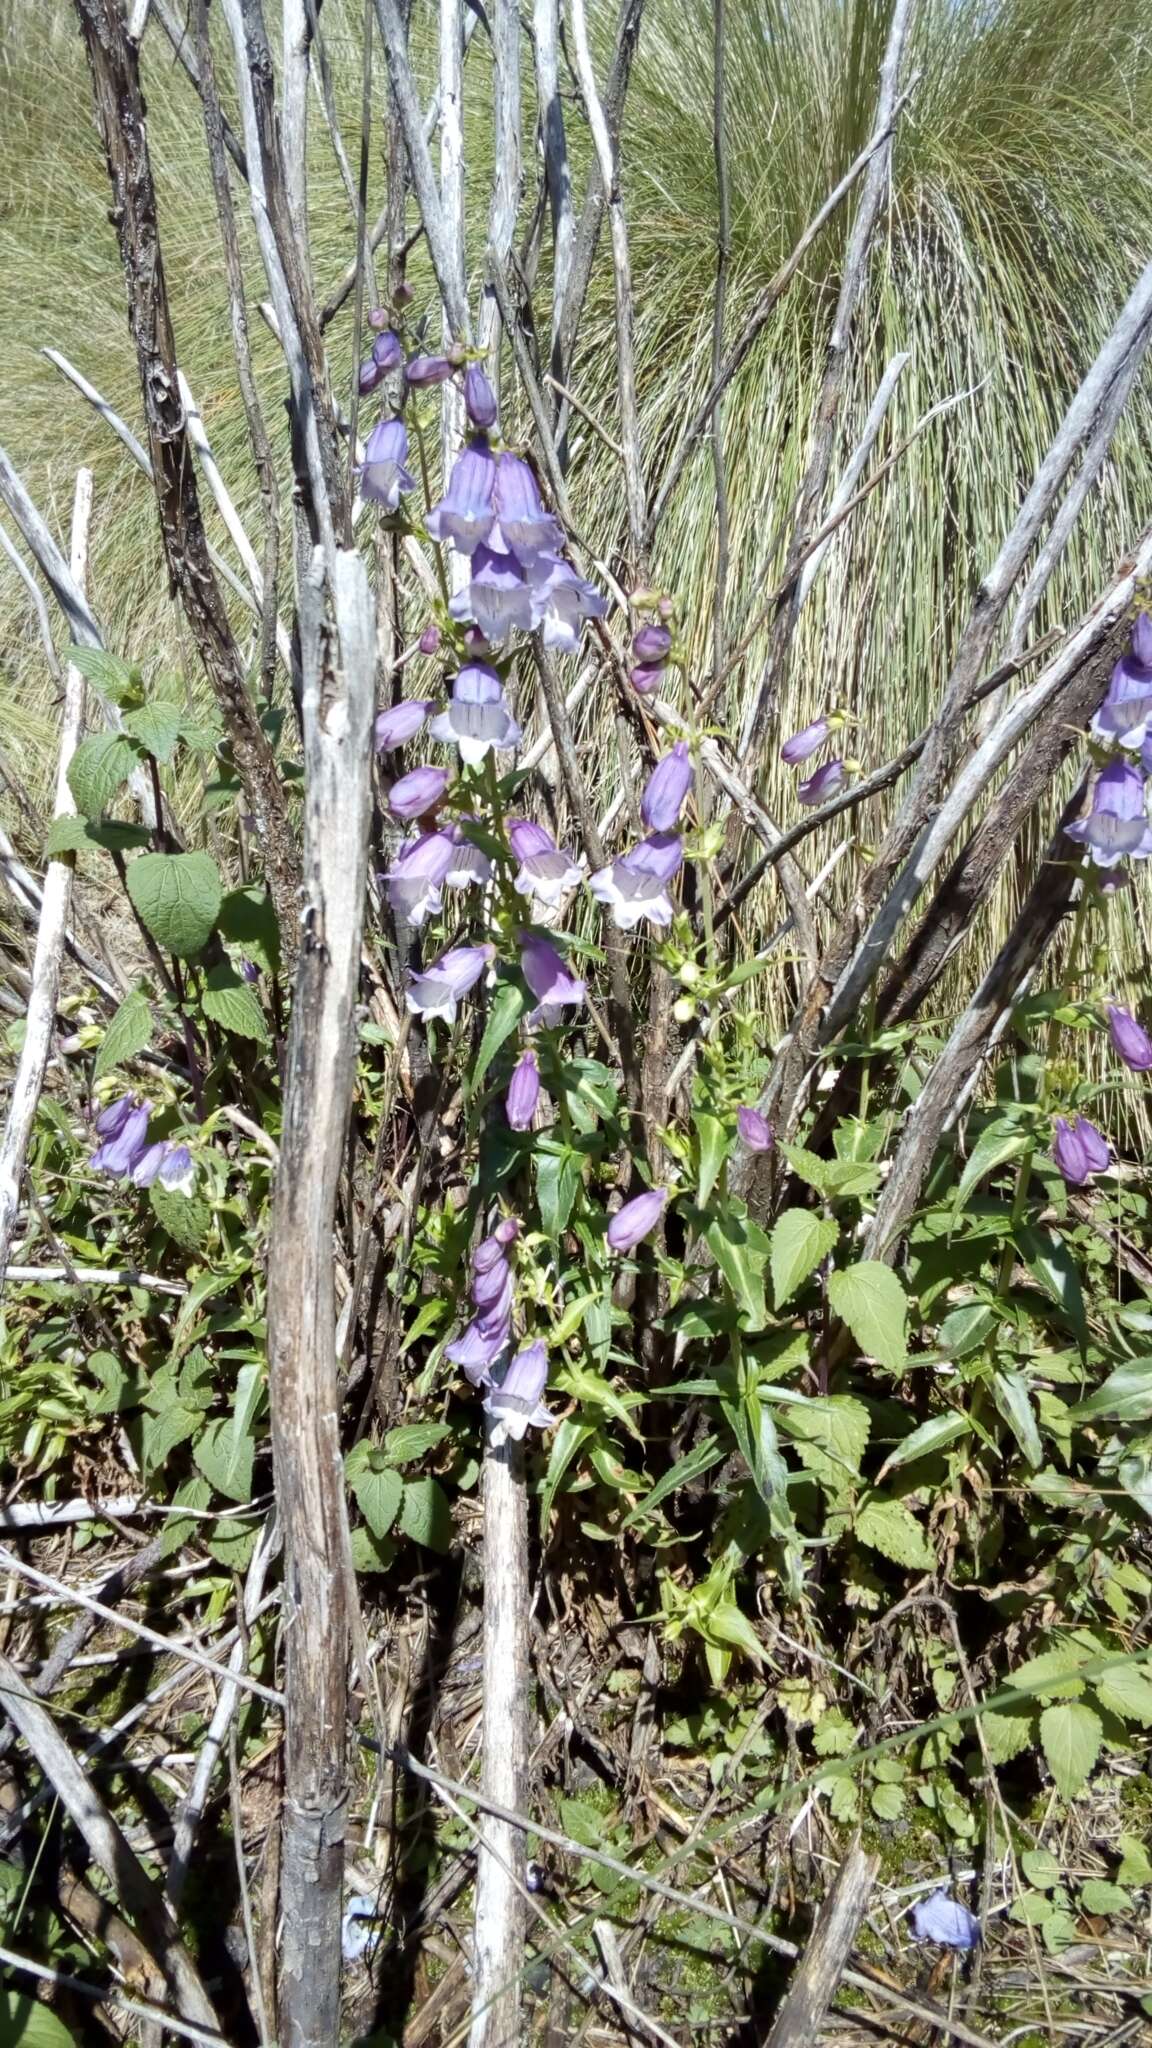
pixel 500 1919
pixel 338 640
pixel 798 2022
pixel 40 1021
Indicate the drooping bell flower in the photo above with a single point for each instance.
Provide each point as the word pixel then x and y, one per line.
pixel 636 884
pixel 470 864
pixel 477 720
pixel 666 788
pixel 415 884
pixel 425 370
pixel 418 792
pixel 562 601
pixel 1126 713
pixel 651 644
pixel 387 351
pixel 645 680
pixel 122 1150
pixel 498 600
pixel 945 1920
pixel 755 1130
pixel 401 722
pixel 1079 1150
pixel 429 639
pixel 523 1092
pixel 804 743
pixel 636 1219
pixel 546 873
pixel 479 398
pixel 437 991
pixel 1129 1039
pixel 111 1121
pixel 170 1164
pixel 368 376
pixel 1117 825
pixel 464 517
pixel 382 475
pixel 249 970
pixel 478 1347
pixel 523 528
pixel 820 788
pixel 548 978
pixel 513 1402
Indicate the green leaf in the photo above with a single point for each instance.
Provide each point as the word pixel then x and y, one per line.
pixel 26 2023
pixel 413 1440
pixel 186 1218
pixel 831 1177
pixel 831 1436
pixel 1041 1868
pixel 176 1529
pixel 117 1388
pixel 1135 1476
pixel 376 1485
pixel 100 766
pixel 230 1002
pixel 1007 1733
pixel 1135 1866
pixel 892 1529
pixel 127 1034
pixel 1052 1675
pixel 1031 1909
pixel 509 1003
pixel 887 1802
pixel 713 1146
pixel 1011 1392
pixel 566 1441
pixel 247 920
pixel 1070 1737
pixel 1098 1896
pixel 698 1460
pixel 160 1434
pixel 997 1143
pixel 583 1821
pixel 225 1458
pixel 156 726
pixel 371 1553
pixel 426 1516
pixel 869 1298
pixel 117 680
pixel 232 1543
pixel 177 896
pixel 70 834
pixel 1126 1395
pixel 800 1241
pixel 1052 1265
pixel 933 1435
pixel 740 1249
pixel 557 1182
pixel 966 1327
pixel 726 1624
pixel 202 735
pixel 1127 1693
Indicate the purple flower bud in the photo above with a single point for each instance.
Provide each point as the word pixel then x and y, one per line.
pixel 1129 1039
pixel 379 317
pixel 403 295
pixel 368 376
pixel 668 785
pixel 507 1230
pixel 1142 639
pixel 382 474
pixel 464 517
pixel 477 719
pixel 548 978
pixel 755 1130
pixel 249 970
pixel 645 680
pixel 417 793
pixel 400 722
pixel 945 1920
pixel 514 1403
pixel 651 644
pixel 827 783
pixel 387 351
pixel 1079 1150
pixel 479 397
pixel 429 639
pixel 665 607
pixel 120 1154
pixel 636 884
pixel 546 874
pixel 523 1092
pixel 636 1219
pixel 436 992
pixel 492 1288
pixel 414 885
pixel 803 743
pixel 148 1165
pixel 1117 824
pixel 425 370
pixel 111 1121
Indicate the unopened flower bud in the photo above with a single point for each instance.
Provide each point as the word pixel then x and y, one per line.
pixel 688 974
pixel 684 1009
pixel 429 639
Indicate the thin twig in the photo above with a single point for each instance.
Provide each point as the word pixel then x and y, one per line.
pixel 115 1999
pixel 719 303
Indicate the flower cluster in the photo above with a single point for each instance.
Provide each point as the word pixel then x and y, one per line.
pixel 126 1152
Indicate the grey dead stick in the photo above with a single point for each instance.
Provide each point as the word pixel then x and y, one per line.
pixel 40 1021
pixel 131 1885
pixel 338 639
pixel 814 1985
